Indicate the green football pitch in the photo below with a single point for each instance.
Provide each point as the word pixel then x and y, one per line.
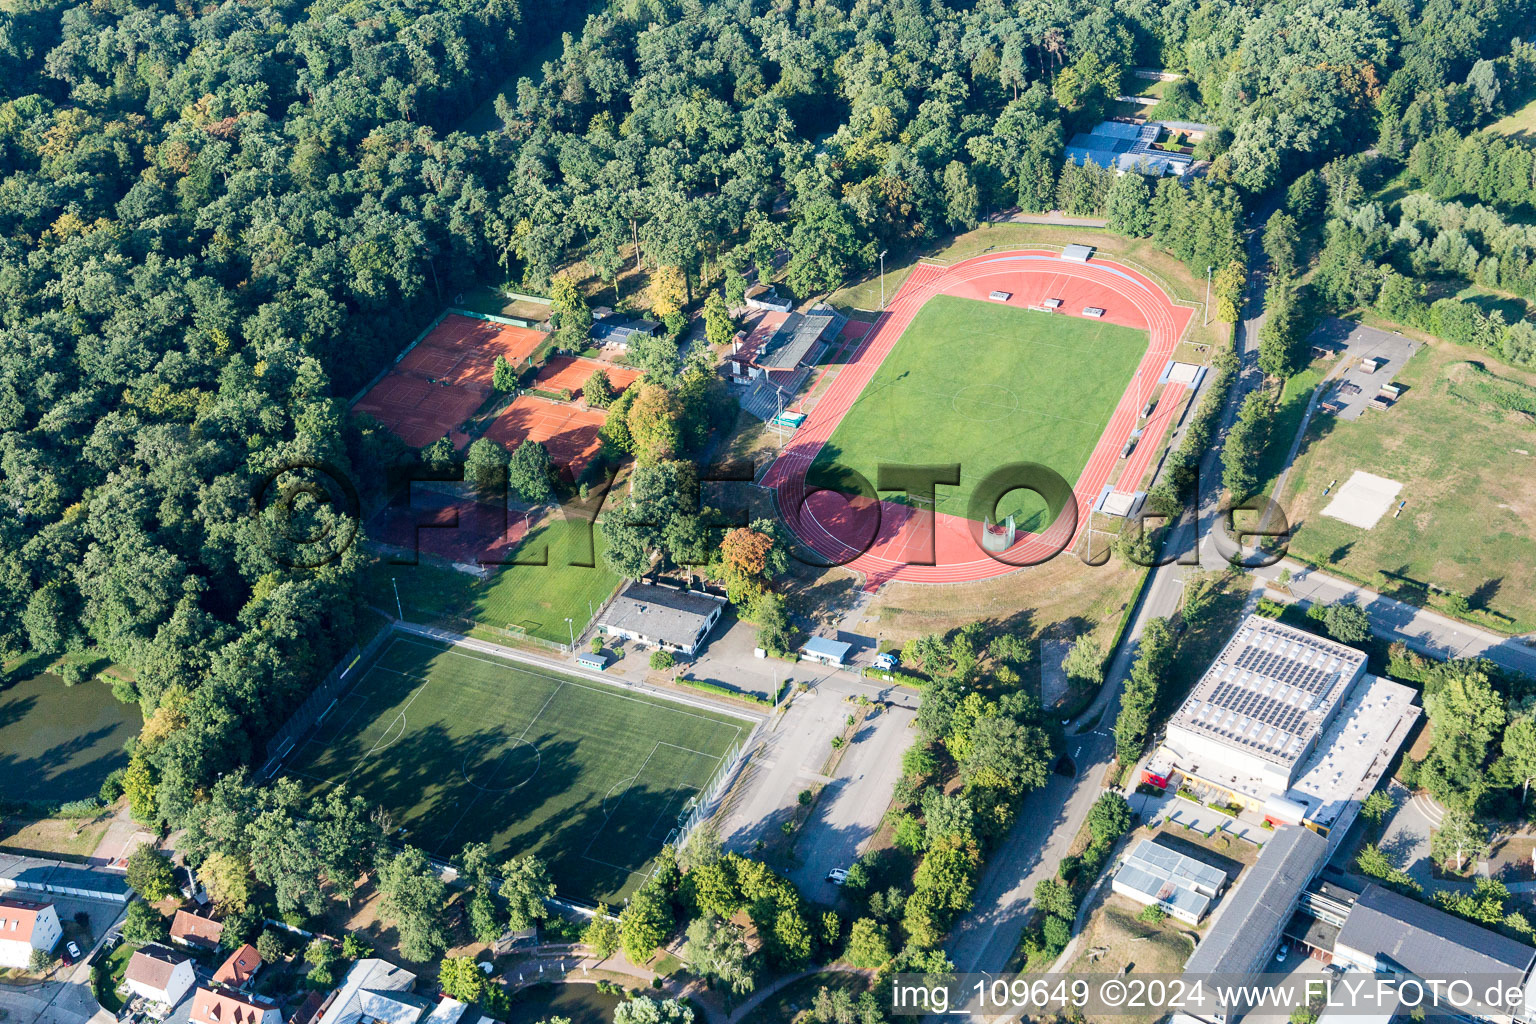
pixel 460 746
pixel 985 385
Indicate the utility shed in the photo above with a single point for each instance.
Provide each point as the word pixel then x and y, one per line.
pixel 825 650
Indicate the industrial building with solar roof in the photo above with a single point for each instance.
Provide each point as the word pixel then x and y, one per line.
pixel 1289 724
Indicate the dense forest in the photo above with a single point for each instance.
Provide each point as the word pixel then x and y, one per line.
pixel 216 222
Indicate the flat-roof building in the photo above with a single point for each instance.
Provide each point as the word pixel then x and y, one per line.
pixel 1248 925
pixel 1392 933
pixel 1154 874
pixel 673 620
pixel 825 650
pixel 1126 146
pixel 1261 707
pixel 1291 725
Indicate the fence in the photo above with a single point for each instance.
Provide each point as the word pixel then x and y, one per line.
pixel 495 318
pixel 703 807
pixel 319 701
pixel 403 353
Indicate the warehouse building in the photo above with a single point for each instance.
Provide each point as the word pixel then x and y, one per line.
pixel 1248 926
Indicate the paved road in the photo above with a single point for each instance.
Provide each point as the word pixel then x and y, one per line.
pixel 1422 630
pixel 985 939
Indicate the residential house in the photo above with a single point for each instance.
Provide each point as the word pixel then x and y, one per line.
pixel 223 1006
pixel 188 929
pixel 160 974
pixel 240 968
pixel 24 928
pixel 375 991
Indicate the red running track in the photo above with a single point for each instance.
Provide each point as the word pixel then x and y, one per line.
pixel 886 541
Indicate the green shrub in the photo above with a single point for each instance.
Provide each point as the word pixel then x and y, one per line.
pixel 662 660
pixel 87 807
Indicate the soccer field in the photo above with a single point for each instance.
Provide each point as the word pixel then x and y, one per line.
pixel 524 594
pixel 984 385
pixel 461 746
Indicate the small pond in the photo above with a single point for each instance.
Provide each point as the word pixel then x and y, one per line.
pixel 583 1004
pixel 58 742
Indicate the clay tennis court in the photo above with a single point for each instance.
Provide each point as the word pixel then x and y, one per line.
pixel 423 521
pixel 568 431
pixel 570 373
pixel 418 411
pixel 885 540
pixel 445 377
pixel 461 350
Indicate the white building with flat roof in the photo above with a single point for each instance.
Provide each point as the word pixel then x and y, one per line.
pixel 1259 710
pixel 1291 725
pixel 1154 874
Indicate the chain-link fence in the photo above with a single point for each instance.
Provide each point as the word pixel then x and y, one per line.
pixel 319 702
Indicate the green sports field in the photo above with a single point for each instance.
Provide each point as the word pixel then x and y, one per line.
pixel 536 598
pixel 461 746
pixel 985 385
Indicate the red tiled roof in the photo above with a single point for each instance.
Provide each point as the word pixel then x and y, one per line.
pixel 237 970
pixel 224 1007
pixel 17 919
pixel 187 927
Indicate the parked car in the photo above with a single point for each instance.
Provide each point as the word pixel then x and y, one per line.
pixel 1282 953
pixel 71 952
pixel 885 661
pixel 837 876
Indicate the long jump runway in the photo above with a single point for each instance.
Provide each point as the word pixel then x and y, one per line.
pixel 901 549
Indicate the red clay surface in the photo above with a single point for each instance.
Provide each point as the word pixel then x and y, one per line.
pixel 417 411
pixel 462 350
pixel 568 431
pixel 457 527
pixel 445 377
pixel 569 373
pixel 885 541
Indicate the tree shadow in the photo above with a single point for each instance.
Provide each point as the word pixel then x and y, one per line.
pixel 1482 598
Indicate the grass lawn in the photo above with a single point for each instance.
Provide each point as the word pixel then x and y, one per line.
pixel 58 742
pixel 794 999
pixel 1124 944
pixel 1174 277
pixel 461 746
pixel 61 837
pixel 1093 598
pixel 117 966
pixel 1460 441
pixel 1520 124
pixel 488 300
pixel 534 598
pixel 1512 306
pixel 985 385
pixel 543 27
pixel 1287 420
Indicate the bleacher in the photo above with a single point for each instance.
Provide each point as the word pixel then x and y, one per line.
pixel 762 398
